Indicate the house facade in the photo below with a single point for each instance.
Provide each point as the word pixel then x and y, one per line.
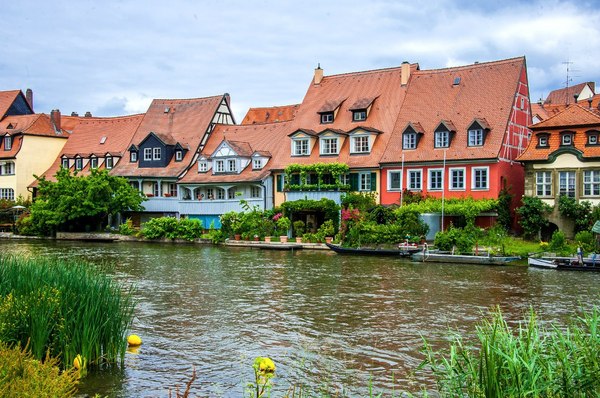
pixel 459 132
pixel 563 158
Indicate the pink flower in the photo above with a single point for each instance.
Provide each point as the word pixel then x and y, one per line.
pixel 277 216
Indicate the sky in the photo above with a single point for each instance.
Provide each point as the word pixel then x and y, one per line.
pixel 113 57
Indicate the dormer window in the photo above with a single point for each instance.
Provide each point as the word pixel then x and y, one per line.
pixel 476 137
pixel 566 139
pixel 147 154
pixel 156 153
pixel 592 137
pixel 329 145
pixel 202 166
pixel 231 165
pixel 78 163
pixel 543 141
pixel 442 139
pixel 108 162
pixel 133 156
pixel 219 166
pixel 7 143
pixel 409 140
pixel 178 156
pixel 94 163
pixel 360 144
pixel 300 147
pixel 256 164
pixel 326 117
pixel 359 115
pixel 65 163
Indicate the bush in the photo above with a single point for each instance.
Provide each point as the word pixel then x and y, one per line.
pixel 171 228
pixel 462 240
pixel 127 228
pixel 558 243
pixel 587 241
pixel 533 216
pixel 298 228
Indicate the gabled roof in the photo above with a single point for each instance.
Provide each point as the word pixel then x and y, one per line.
pixel 305 131
pixel 8 98
pixel 182 120
pixel 331 105
pixel 572 117
pixel 416 127
pixel 241 148
pixel 335 131
pixel 564 96
pixel 27 125
pixel 447 125
pixel 484 90
pixel 362 103
pixel 270 114
pixel 165 138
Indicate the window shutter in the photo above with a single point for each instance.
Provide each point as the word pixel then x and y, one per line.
pixel 373 181
pixel 353 181
pixel 279 183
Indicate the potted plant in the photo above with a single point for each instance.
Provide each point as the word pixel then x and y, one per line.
pixel 326 230
pixel 283 226
pixel 298 230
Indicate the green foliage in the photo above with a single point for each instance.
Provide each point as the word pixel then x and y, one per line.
pixel 80 203
pixel 462 240
pixel 526 362
pixel 410 222
pixel 587 241
pixel 127 228
pixel 579 212
pixel 299 228
pixel 172 228
pixel 64 309
pixel 505 216
pixel 533 215
pixel 469 208
pixel 248 223
pixel 23 376
pixel 283 225
pixel 558 243
pixel 363 201
pixel 323 171
pixel 381 214
pixel 410 197
pixel 327 207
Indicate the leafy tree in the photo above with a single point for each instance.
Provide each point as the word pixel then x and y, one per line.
pixel 504 209
pixel 79 203
pixel 579 212
pixel 533 216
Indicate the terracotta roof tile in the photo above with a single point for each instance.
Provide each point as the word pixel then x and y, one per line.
pixel 6 100
pixel 485 91
pixel 271 114
pixel 331 105
pixel 362 103
pixel 26 125
pixel 564 96
pixel 241 148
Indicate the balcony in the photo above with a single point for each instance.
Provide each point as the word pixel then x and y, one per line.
pixel 336 196
pixel 217 207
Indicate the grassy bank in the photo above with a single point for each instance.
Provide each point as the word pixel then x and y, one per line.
pixel 64 309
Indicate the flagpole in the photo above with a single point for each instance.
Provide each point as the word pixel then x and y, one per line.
pixel 402 181
pixel 443 187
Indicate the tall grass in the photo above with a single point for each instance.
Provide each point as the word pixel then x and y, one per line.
pixel 529 362
pixel 65 309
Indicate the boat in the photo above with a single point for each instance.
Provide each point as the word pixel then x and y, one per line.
pixel 401 251
pixel 440 257
pixel 564 264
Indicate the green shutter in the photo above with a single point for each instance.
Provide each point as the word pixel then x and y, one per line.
pixel 373 182
pixel 353 181
pixel 279 183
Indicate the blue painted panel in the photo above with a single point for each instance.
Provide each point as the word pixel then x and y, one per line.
pixel 19 107
pixel 153 142
pixel 207 220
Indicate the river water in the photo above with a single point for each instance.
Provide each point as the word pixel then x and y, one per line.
pixel 326 320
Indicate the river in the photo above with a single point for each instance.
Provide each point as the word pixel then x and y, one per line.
pixel 325 319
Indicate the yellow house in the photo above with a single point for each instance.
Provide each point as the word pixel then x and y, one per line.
pixel 30 144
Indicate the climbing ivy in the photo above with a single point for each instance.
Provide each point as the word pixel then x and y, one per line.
pixel 336 170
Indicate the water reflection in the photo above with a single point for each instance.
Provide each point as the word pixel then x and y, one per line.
pixel 324 318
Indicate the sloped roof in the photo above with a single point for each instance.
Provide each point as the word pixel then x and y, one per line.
pixel 564 96
pixel 270 114
pixel 574 116
pixel 485 90
pixel 6 100
pixel 27 125
pixel 185 120
pixel 241 148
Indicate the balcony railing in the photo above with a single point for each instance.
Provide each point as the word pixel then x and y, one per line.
pixel 336 196
pixel 205 206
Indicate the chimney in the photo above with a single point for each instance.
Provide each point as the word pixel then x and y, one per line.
pixel 55 118
pixel 88 114
pixel 590 102
pixel 405 73
pixel 29 97
pixel 74 114
pixel 318 75
pixel 575 96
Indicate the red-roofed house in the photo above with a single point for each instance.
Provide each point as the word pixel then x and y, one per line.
pixel 166 144
pixel 272 114
pixel 569 95
pixel 30 143
pixel 563 158
pixel 459 132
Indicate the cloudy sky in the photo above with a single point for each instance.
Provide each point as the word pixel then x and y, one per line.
pixel 114 57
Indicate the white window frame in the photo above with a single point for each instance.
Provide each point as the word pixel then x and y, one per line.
pixel 591 183
pixel 409 141
pixel 178 155
pixel 221 194
pixel 255 192
pixel 202 166
pixel 329 145
pixel 65 163
pixel 451 172
pixel 359 115
pixel 231 165
pixel 156 153
pixel 93 163
pixel 592 139
pixel 543 183
pixel 7 142
pixel 566 139
pixel 133 156
pixel 108 162
pixel 390 174
pixel 7 193
pixel 78 163
pixel 567 183
pixel 219 166
pixel 300 147
pixel 147 154
pixel 442 139
pixel 543 141
pixel 474 172
pixel 358 144
pixel 7 169
pixel 156 189
pixel 475 137
pixel 257 164
pixel 430 179
pixel 327 118
pixel 417 184
pixel 364 181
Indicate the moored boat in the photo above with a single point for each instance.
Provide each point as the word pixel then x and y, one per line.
pixel 401 251
pixel 437 257
pixel 563 264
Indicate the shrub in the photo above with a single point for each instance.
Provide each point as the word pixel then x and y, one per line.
pixel 127 228
pixel 298 228
pixel 533 216
pixel 360 201
pixel 460 239
pixel 172 228
pixel 586 240
pixel 558 243
pixel 381 214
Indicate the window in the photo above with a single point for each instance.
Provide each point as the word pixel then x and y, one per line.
pixel 442 139
pixel 256 164
pixel 414 180
pixel 364 181
pixel 173 189
pixel 593 139
pixel 480 178
pixel 409 141
pixel 65 163
pixel 7 169
pixel 543 183
pixel 395 180
pixel 436 180
pixel 359 115
pixel 108 163
pixel 457 179
pixel 566 139
pixel 329 146
pixel 255 192
pixel 591 183
pixel 133 156
pixel 345 179
pixel 78 164
pixel 155 153
pixel 476 137
pixel 231 193
pixel 178 156
pixel 327 118
pixel 155 189
pixel 94 163
pixel 7 143
pixel 360 144
pixel 543 141
pixel 219 166
pixel 231 166
pixel 566 183
pixel 147 153
pixel 210 193
pixel 300 147
pixel 220 193
pixel 203 166
pixel 7 193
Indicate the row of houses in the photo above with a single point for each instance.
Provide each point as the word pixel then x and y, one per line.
pixel 453 132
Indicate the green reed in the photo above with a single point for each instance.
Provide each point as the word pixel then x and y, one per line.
pixel 531 361
pixel 64 308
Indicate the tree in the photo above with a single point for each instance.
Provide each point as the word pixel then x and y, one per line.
pixel 80 203
pixel 533 216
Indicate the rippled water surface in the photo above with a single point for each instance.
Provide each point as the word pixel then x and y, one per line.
pixel 324 318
